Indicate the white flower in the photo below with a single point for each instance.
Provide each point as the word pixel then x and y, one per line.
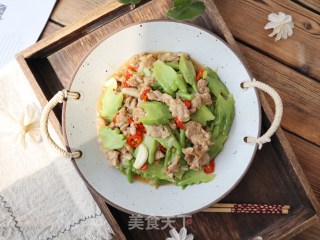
pixel 282 25
pixel 23 128
pixel 182 235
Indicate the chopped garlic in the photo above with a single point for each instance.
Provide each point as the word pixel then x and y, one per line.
pixel 142 156
pixel 131 92
pixel 112 82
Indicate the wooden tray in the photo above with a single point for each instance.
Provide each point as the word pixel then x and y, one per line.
pixel 275 177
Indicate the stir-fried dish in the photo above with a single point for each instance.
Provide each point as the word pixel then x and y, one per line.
pixel 163 118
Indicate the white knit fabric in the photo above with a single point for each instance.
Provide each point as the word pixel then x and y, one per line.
pixel 41 194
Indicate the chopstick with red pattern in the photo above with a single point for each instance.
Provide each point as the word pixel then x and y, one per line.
pixel 248 208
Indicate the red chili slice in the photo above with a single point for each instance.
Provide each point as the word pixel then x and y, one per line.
pixel 114 120
pixel 140 128
pixel 134 69
pixel 179 123
pixel 126 85
pixel 135 140
pixel 209 168
pixel 144 167
pixel 200 72
pixel 144 96
pixel 128 75
pixel 162 149
pixel 187 103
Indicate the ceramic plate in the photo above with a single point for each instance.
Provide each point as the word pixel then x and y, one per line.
pixel 80 118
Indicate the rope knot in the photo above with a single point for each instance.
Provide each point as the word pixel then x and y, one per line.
pixel 262 140
pixel 65 93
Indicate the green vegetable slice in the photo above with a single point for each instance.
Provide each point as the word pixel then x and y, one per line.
pixel 111 138
pixel 174 153
pixel 212 108
pixel 169 141
pixel 181 84
pixel 217 146
pixel 167 157
pixel 156 113
pixel 147 72
pixel 215 85
pixel 158 182
pixel 184 95
pixel 166 76
pixel 202 115
pixel 111 103
pixel 157 87
pixel 179 174
pixel 176 134
pixel 220 127
pixel 182 138
pixel 128 171
pixel 154 171
pixel 183 166
pixel 192 177
pixel 187 70
pixel 174 65
pixel 224 114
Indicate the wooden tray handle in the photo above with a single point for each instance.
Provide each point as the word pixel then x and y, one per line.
pixel 58 98
pixel 278 112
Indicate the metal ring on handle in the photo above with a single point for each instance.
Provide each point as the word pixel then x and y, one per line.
pixel 278 112
pixel 58 98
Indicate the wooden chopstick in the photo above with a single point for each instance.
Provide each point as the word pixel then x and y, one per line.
pixel 249 208
pixel 232 205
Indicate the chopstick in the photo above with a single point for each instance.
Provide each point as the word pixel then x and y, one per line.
pixel 248 208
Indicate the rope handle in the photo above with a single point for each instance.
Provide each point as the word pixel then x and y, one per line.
pixel 278 112
pixel 58 98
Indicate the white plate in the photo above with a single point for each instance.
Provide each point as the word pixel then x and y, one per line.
pixel 80 118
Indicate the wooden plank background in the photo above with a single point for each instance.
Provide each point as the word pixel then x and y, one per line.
pixel 292 67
